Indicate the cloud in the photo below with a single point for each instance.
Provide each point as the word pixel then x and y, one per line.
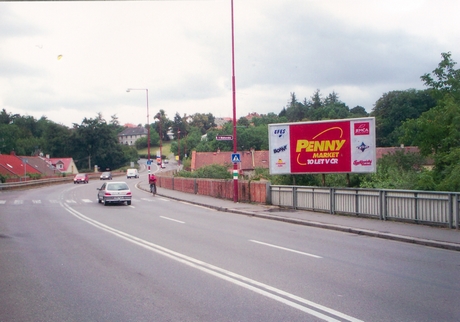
pixel 181 52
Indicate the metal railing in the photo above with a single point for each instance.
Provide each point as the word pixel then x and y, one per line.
pixel 33 183
pixel 424 207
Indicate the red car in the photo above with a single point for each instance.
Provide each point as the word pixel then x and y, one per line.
pixel 81 177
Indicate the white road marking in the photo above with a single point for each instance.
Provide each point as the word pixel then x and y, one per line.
pixel 70 201
pixel 147 199
pixel 283 248
pixel 163 199
pixel 18 202
pixel 2 202
pixel 87 200
pixel 37 201
pixel 304 305
pixel 181 222
pixel 54 201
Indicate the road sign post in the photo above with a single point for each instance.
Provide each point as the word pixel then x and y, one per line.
pixel 236 157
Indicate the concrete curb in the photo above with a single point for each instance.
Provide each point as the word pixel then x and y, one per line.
pixel 358 231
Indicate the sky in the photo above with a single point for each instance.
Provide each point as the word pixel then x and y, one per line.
pixel 72 60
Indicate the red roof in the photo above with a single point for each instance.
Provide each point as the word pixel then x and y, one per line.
pixel 66 162
pixel 13 166
pixel 380 152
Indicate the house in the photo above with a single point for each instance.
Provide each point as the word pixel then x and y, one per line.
pixel 64 165
pixel 380 152
pixel 42 165
pixel 221 121
pixel 130 135
pixel 249 160
pixel 12 166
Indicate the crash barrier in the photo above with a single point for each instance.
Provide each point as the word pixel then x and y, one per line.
pixel 47 181
pixel 34 183
pixel 424 207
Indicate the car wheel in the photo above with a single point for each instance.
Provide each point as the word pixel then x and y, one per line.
pixel 128 203
pixel 105 202
pixel 99 200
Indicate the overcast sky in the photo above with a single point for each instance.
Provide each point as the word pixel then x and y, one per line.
pixel 71 60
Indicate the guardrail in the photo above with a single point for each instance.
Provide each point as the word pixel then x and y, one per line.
pixel 34 183
pixel 48 181
pixel 424 207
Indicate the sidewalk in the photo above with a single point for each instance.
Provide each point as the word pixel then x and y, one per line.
pixel 404 232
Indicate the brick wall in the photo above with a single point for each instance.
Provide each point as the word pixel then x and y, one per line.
pixel 248 191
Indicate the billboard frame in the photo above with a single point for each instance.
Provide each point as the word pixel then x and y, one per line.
pixel 319 147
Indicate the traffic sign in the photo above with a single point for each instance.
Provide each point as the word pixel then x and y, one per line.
pixel 149 162
pixel 224 137
pixel 236 157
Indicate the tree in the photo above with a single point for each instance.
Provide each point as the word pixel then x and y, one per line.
pixel 269 118
pixel 395 107
pixel 56 140
pixel 396 171
pixel 94 142
pixel 295 111
pixel 358 111
pixel 445 80
pixel 203 121
pixel 437 131
pixel 316 100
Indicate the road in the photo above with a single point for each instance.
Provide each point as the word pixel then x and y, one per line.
pixel 64 257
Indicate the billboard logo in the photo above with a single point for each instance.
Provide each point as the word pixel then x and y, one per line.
pixel 362 162
pixel 280 149
pixel 280 132
pixel 280 163
pixel 362 128
pixel 363 147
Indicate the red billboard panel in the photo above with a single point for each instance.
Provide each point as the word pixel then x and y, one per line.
pixel 337 146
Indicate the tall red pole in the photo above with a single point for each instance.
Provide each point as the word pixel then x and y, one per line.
pixel 148 130
pixel 235 165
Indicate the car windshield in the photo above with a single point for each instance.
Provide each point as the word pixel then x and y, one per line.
pixel 105 173
pixel 80 176
pixel 117 186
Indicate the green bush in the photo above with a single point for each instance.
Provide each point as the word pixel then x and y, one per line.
pixel 213 171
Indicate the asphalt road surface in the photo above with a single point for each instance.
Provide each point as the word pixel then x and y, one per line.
pixel 65 257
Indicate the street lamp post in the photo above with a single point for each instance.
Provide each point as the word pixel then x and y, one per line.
pixel 158 116
pixel 148 123
pixel 178 148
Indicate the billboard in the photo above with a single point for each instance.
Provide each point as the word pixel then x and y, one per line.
pixel 333 146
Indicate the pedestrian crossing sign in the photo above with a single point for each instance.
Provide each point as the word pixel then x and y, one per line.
pixel 236 157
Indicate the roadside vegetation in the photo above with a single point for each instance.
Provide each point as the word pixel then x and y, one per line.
pixel 428 119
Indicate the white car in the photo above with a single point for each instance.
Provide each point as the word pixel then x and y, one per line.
pixel 132 173
pixel 114 192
